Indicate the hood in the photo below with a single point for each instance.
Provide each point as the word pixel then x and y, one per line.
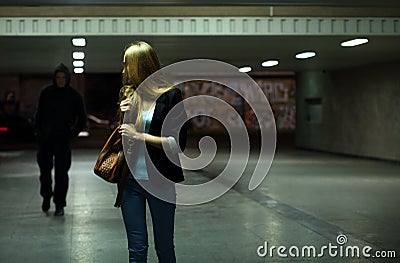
pixel 62 68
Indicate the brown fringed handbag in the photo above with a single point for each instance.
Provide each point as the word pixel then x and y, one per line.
pixel 111 160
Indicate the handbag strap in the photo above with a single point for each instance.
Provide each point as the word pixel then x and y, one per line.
pixel 121 185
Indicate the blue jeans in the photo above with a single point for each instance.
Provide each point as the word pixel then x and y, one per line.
pixel 133 208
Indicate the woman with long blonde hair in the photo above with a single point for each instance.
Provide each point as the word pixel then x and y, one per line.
pixel 151 104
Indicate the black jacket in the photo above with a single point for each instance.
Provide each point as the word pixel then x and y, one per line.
pixel 159 166
pixel 164 104
pixel 60 113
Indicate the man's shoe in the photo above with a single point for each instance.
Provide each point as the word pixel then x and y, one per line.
pixel 59 212
pixel 46 204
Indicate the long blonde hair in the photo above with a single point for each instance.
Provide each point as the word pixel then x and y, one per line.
pixel 140 61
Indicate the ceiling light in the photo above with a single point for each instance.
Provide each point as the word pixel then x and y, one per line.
pixel 270 63
pixel 306 54
pixel 78 70
pixel 83 134
pixel 78 55
pixel 245 69
pixel 78 63
pixel 79 42
pixel 354 42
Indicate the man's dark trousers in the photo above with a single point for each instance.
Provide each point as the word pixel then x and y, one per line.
pixel 59 152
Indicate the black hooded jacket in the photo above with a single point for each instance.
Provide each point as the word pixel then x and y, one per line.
pixel 60 114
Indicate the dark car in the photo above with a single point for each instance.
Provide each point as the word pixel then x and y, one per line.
pixel 16 128
pixel 97 123
pixel 96 126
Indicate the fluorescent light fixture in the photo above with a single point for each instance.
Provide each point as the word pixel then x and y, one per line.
pixel 78 70
pixel 245 69
pixel 354 42
pixel 79 42
pixel 306 54
pixel 83 134
pixel 78 55
pixel 78 63
pixel 270 63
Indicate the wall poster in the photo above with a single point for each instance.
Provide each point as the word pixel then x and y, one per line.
pixel 279 91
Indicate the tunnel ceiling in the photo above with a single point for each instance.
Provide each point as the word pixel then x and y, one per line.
pixel 380 3
pixel 40 53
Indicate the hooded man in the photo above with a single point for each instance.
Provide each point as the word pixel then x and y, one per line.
pixel 60 117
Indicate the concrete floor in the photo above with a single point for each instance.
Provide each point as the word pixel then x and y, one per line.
pixel 308 199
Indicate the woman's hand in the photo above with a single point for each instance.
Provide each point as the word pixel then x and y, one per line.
pixel 130 131
pixel 126 104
